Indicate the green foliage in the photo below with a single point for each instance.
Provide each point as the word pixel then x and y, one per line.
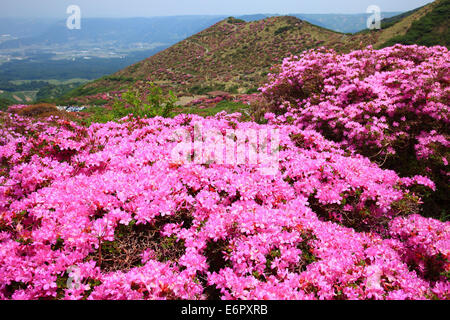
pixel 98 102
pixel 119 79
pixel 430 30
pixel 283 30
pixel 233 20
pixel 58 245
pixel 53 91
pixel 389 22
pixel 5 103
pixel 435 204
pixel 18 97
pixel 84 91
pixel 228 106
pixel 26 86
pixel 197 89
pixel 253 90
pixel 203 89
pixel 233 89
pixel 151 103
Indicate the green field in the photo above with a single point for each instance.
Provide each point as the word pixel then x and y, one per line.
pixel 19 96
pixel 52 81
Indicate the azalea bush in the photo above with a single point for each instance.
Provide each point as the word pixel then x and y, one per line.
pixel 103 212
pixel 391 105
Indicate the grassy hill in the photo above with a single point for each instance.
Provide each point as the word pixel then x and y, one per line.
pixel 430 27
pixel 427 25
pixel 17 97
pixel 232 55
pixel 4 103
pixel 389 22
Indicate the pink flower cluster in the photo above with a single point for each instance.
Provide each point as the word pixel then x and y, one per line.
pixel 385 103
pixel 207 101
pixel 329 225
pixel 431 144
pixel 17 107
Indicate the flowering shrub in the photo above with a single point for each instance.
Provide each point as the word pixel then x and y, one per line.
pixel 103 213
pixel 17 107
pixel 426 253
pixel 390 105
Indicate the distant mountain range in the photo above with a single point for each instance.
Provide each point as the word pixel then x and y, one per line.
pixel 122 32
pixel 25 27
pixel 345 23
pixel 167 30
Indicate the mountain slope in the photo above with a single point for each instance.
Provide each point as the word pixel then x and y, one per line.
pixel 389 22
pixel 427 25
pixel 430 29
pixel 232 55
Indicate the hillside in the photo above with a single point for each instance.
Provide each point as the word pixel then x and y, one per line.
pixel 232 55
pixel 429 29
pixel 427 25
pixel 235 55
pixel 388 22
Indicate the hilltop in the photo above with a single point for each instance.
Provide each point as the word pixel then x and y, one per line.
pixel 232 55
pixel 345 23
pixel 235 55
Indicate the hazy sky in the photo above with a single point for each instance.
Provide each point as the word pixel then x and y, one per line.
pixel 147 8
